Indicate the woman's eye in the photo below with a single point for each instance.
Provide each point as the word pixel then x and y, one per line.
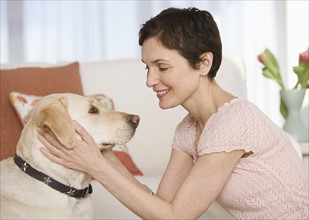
pixel 147 69
pixel 93 110
pixel 162 69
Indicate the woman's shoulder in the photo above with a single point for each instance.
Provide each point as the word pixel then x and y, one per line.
pixel 235 125
pixel 184 135
pixel 238 110
pixel 186 122
pixel 236 104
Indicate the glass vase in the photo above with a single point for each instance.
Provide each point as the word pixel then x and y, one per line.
pixel 294 123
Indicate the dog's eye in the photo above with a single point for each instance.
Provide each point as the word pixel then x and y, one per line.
pixel 93 110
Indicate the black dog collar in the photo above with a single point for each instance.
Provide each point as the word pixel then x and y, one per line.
pixel 70 191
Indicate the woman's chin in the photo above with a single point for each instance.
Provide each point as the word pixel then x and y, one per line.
pixel 163 105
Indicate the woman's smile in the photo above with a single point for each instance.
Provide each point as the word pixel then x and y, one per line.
pixel 162 93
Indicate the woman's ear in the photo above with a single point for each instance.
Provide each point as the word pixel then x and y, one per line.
pixel 205 63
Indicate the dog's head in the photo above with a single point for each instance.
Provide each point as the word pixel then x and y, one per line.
pixel 55 113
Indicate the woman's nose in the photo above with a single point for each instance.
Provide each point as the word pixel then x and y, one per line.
pixel 152 78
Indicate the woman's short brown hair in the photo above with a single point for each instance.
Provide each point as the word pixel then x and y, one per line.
pixel 191 32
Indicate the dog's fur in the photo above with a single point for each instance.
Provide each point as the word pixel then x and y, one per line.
pixel 22 196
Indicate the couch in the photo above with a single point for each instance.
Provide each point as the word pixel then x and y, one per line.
pixel 122 80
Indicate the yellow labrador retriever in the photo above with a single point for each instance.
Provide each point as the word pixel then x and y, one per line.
pixel 35 188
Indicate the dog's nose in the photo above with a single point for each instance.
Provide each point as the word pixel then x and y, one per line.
pixel 134 120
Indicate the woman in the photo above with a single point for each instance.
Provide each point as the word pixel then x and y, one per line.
pixel 225 149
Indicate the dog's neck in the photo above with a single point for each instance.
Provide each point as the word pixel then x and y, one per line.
pixel 51 182
pixel 28 150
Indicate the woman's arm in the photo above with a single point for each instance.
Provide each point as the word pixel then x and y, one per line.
pixel 116 163
pixel 198 190
pixel 177 170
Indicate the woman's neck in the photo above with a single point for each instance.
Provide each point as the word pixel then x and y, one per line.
pixel 201 109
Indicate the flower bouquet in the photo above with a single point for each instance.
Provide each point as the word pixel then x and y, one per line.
pixel 271 70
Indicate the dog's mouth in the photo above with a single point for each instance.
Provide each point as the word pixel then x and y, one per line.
pixel 105 146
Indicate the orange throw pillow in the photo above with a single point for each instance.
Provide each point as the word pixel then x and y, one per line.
pixel 36 81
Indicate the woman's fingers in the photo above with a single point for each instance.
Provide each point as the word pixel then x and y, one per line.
pixel 51 139
pixel 83 133
pixel 76 158
pixel 52 148
pixel 59 155
pixel 51 156
pixel 51 152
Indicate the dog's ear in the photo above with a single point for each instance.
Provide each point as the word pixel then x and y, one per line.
pixel 28 116
pixel 55 118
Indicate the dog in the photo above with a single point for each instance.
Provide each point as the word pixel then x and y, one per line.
pixel 33 187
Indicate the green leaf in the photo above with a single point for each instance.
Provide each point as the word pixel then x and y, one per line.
pixel 269 65
pixel 271 69
pixel 268 74
pixel 283 109
pixel 271 57
pixel 302 72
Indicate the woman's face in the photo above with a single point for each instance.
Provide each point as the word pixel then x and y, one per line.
pixel 168 74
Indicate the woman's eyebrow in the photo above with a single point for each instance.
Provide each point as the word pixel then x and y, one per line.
pixel 156 61
pixel 159 60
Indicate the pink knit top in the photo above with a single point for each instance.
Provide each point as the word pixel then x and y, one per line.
pixel 271 183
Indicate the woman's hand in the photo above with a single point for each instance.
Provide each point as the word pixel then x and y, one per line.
pixel 84 156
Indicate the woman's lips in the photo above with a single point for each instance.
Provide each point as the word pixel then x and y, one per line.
pixel 162 93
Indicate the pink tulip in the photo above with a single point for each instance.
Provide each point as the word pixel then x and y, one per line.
pixel 260 59
pixel 304 56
